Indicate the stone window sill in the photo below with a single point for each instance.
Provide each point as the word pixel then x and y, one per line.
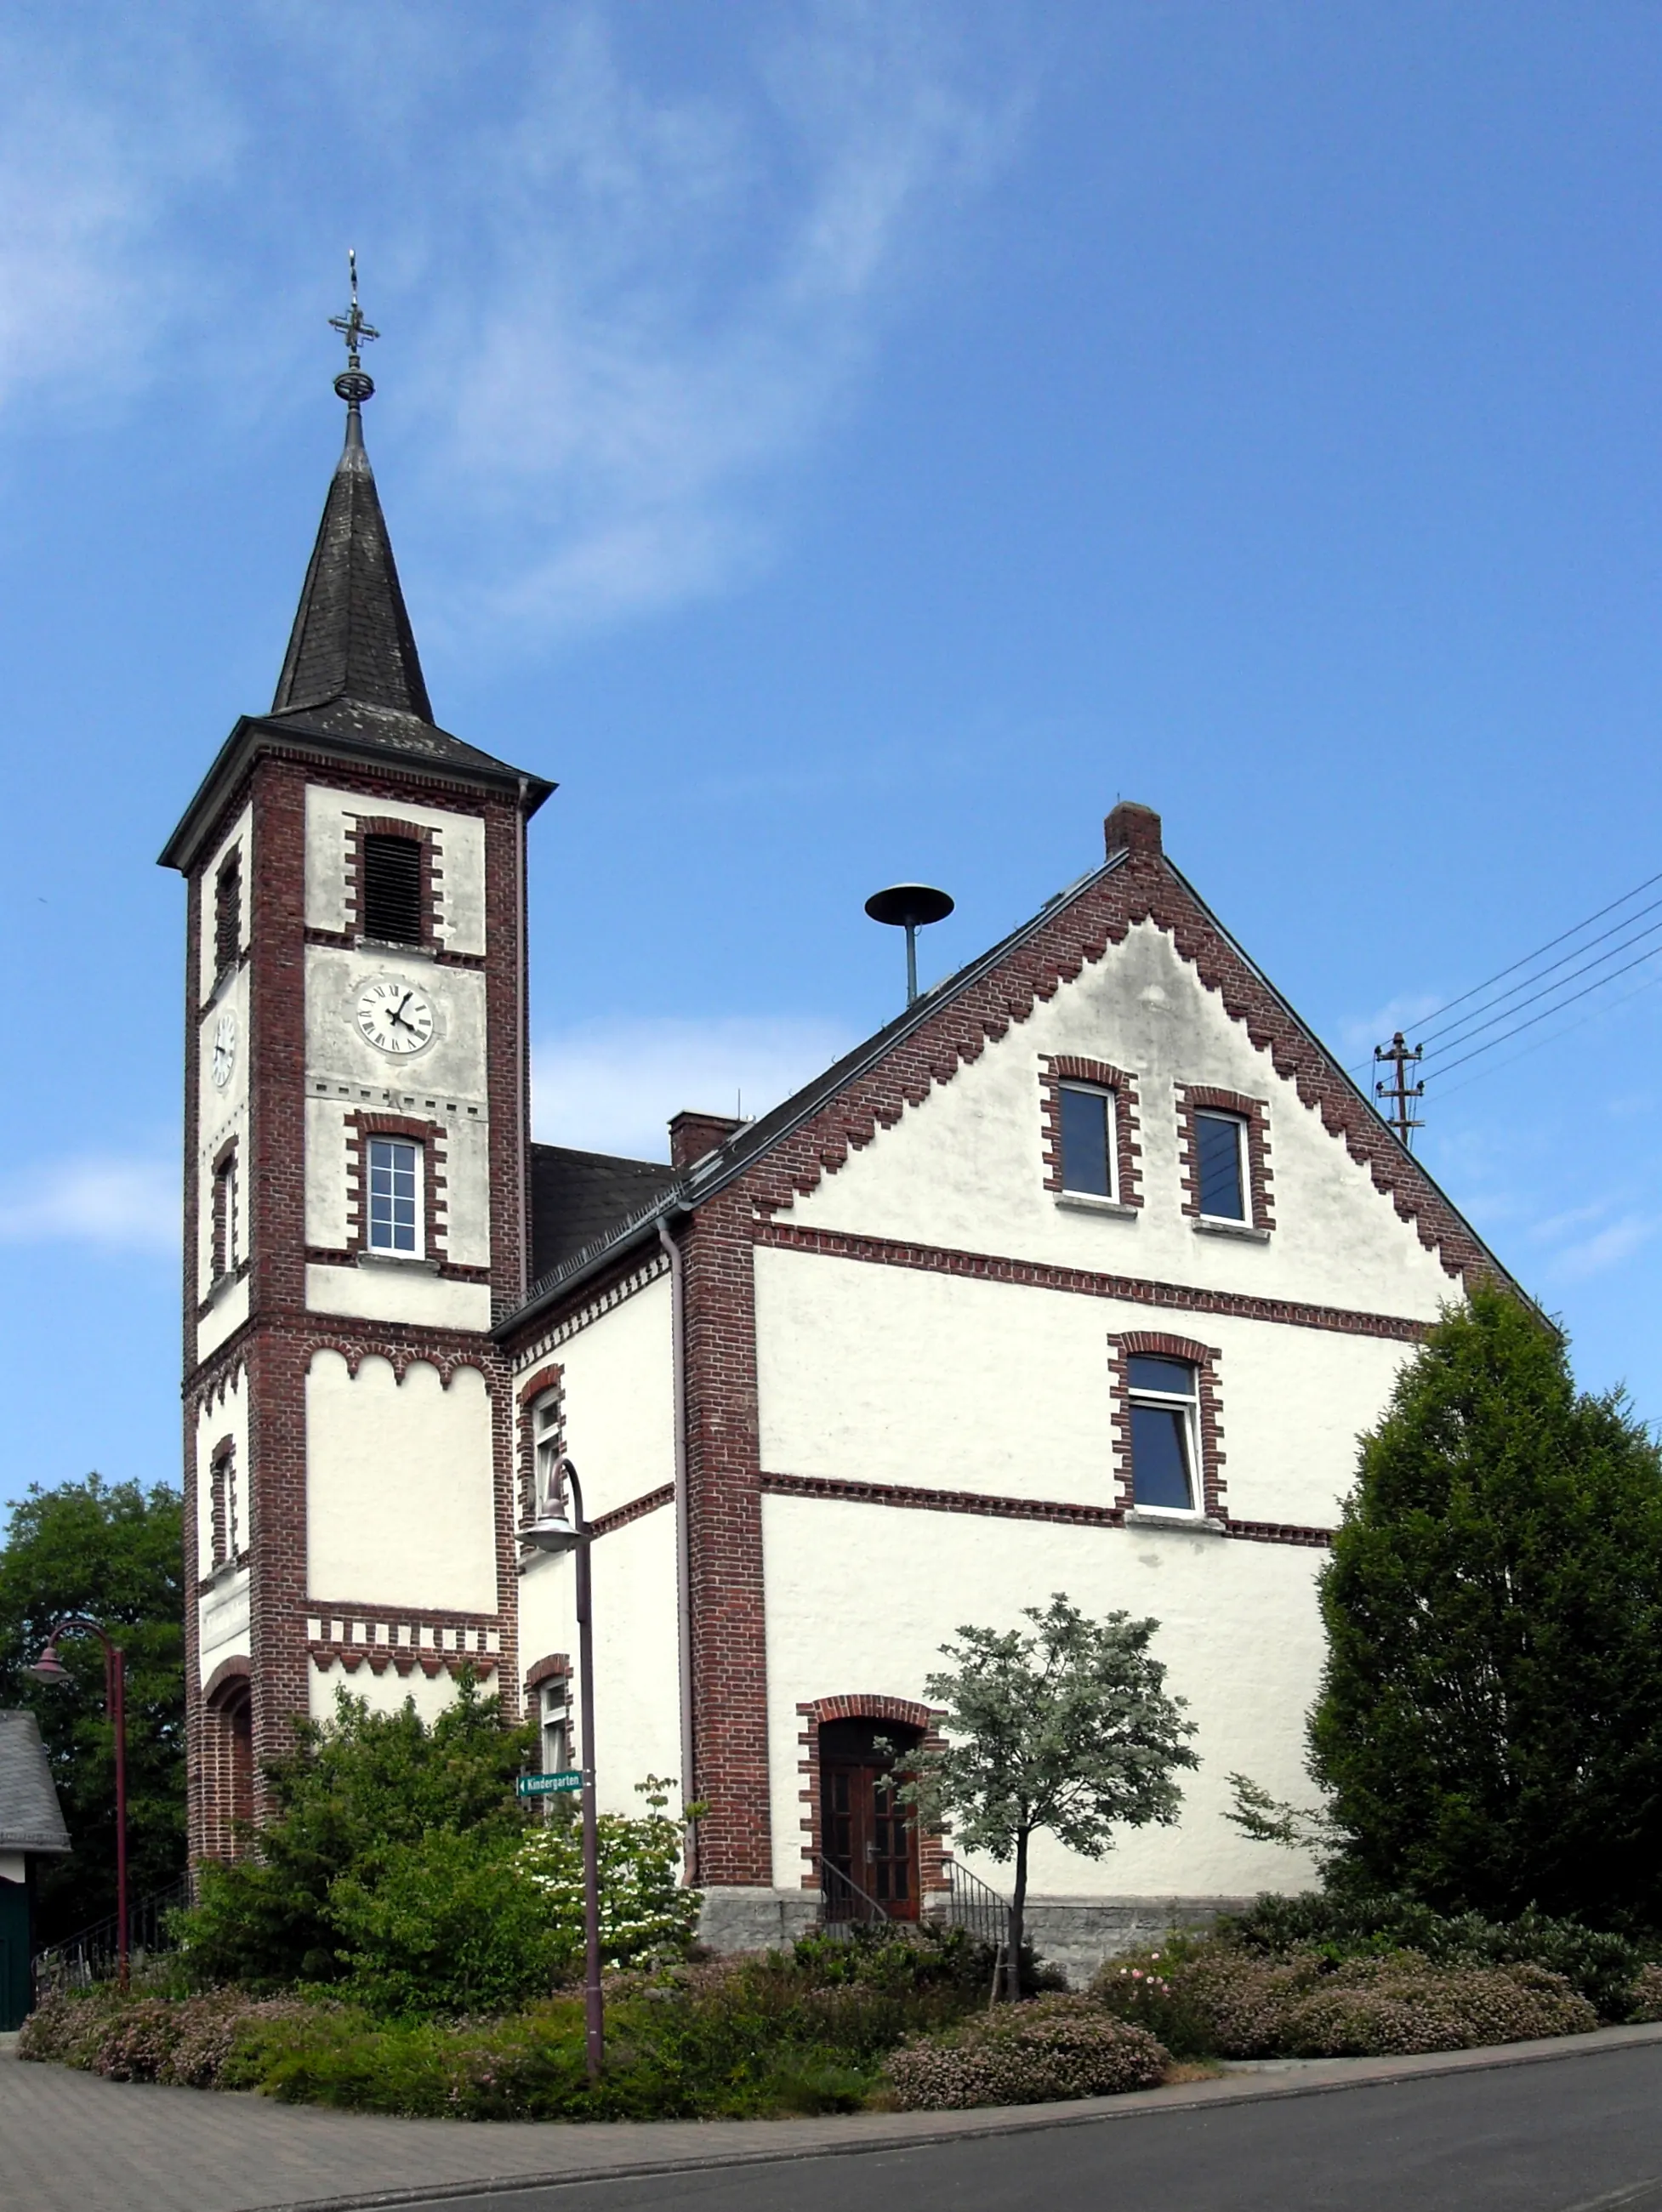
pixel 398 1262
pixel 1207 1227
pixel 1191 1524
pixel 392 944
pixel 1084 1201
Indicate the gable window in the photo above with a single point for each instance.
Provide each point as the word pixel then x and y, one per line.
pixel 1165 1412
pixel 224 1216
pixel 227 914
pixel 1088 1146
pixel 395 1167
pixel 1220 1153
pixel 390 889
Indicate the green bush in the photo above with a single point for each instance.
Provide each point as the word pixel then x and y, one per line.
pixel 646 1917
pixel 1338 1924
pixel 1644 1997
pixel 352 1791
pixel 1053 2048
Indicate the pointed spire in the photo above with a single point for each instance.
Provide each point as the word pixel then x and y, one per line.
pixel 352 641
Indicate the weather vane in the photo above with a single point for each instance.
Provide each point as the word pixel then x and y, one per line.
pixel 353 384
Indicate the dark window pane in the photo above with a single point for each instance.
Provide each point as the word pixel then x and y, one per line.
pixel 1159 1457
pixel 1175 1376
pixel 1218 1141
pixel 391 907
pixel 1085 1142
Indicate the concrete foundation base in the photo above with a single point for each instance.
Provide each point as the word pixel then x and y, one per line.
pixel 1074 1932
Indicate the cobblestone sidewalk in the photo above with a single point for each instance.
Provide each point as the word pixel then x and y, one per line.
pixel 70 2143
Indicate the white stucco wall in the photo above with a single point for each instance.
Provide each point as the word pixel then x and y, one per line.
pixel 460 857
pixel 390 1290
pixel 637 1722
pixel 382 1693
pixel 222 1118
pixel 965 1168
pixel 399 1502
pixel 620 1400
pixel 892 1375
pixel 860 1597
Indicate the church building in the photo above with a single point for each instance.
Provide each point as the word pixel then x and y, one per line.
pixel 1081 1275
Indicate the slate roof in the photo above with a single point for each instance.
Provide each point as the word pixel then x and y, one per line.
pixel 351 681
pixel 577 1197
pixel 29 1818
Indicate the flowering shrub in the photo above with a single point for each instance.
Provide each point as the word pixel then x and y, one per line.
pixel 1042 2052
pixel 1645 1996
pixel 1235 2003
pixel 646 1916
pixel 196 2042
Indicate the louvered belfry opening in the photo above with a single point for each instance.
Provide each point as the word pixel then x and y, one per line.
pixel 390 889
pixel 227 914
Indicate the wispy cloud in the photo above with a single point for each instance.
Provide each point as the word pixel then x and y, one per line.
pixel 625 303
pixel 121 1204
pixel 610 1086
pixel 1597 1254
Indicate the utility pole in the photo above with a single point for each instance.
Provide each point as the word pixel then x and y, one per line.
pixel 1399 1093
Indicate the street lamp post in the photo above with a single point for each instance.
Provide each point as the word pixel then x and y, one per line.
pixel 49 1667
pixel 557 1530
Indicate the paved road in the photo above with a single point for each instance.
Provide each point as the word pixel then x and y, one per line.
pixel 1581 2134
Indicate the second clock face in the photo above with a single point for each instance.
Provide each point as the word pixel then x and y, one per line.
pixel 395 1016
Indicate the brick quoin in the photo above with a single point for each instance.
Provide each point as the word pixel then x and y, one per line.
pixel 1204 1357
pixel 1058 1068
pixel 277 1342
pixel 900 1712
pixel 1255 1113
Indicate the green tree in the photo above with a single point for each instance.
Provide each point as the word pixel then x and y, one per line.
pixel 1069 1728
pixel 1490 1725
pixel 351 1799
pixel 114 1552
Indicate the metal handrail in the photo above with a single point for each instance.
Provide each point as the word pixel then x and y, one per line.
pixel 974 1905
pixel 842 1897
pixel 93 1954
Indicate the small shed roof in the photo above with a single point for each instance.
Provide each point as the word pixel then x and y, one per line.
pixel 29 1818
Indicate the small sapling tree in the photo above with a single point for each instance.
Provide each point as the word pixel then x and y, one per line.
pixel 1067 1728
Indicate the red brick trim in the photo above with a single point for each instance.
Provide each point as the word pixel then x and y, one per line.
pixel 1139 888
pixel 556 1666
pixel 401 1659
pixel 1132 1290
pixel 1055 1070
pixel 360 826
pixel 650 1501
pixel 859 1705
pixel 228 1670
pixel 433 1138
pixel 1255 1113
pixel 1204 1357
pixel 991 1506
pixel 548 1380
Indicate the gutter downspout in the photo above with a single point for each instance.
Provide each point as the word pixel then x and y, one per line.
pixel 520 982
pixel 683 1537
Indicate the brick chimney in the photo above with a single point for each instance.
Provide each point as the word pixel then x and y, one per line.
pixel 692 1135
pixel 1134 829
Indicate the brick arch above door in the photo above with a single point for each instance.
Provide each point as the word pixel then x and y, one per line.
pixel 863 1705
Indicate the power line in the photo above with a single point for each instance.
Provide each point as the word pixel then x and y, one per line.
pixel 1464 1032
pixel 1541 1043
pixel 1549 1012
pixel 1448 1007
pixel 1615 928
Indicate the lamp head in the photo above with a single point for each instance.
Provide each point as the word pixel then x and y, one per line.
pixel 552 1531
pixel 49 1667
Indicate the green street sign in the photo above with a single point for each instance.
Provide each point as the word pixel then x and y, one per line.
pixel 545 1785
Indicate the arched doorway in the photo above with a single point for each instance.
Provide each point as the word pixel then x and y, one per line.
pixel 228 1760
pixel 868 1841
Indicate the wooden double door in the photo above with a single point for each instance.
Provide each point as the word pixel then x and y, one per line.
pixel 870 1841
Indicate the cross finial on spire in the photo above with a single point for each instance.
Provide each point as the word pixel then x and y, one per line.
pixel 354 385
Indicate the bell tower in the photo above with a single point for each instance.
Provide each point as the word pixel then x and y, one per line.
pixel 357 1131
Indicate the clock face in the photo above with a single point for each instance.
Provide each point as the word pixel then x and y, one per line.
pixel 224 1059
pixel 395 1016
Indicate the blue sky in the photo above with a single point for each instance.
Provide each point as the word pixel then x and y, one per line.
pixel 841 443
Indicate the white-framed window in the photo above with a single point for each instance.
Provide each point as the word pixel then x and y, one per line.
pixel 394 1170
pixel 1220 1165
pixel 554 1724
pixel 1164 1433
pixel 547 1451
pixel 1089 1149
